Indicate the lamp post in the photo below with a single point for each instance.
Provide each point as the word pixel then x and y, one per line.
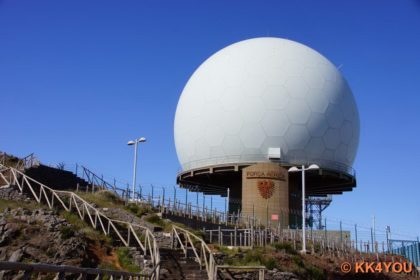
pixel 303 169
pixel 135 142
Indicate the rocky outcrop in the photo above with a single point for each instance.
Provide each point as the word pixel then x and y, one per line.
pixel 12 193
pixel 40 236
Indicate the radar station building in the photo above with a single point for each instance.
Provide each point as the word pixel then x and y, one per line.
pixel 255 109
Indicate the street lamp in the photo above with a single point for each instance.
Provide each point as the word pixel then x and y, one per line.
pixel 135 142
pixel 303 169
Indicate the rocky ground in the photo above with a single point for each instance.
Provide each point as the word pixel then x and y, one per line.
pixel 29 232
pixel 40 235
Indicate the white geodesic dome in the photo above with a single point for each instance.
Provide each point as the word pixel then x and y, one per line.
pixel 266 93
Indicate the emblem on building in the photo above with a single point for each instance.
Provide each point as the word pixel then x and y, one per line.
pixel 266 188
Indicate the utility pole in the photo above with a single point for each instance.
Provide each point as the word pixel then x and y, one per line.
pixel 186 198
pixel 175 196
pixel 228 199
pixel 388 237
pixel 374 229
pixel 355 235
pixel 152 194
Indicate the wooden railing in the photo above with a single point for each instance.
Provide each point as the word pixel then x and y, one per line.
pixel 128 233
pixel 186 240
pixel 61 271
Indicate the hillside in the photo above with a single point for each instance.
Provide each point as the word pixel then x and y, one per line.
pixel 100 230
pixel 31 233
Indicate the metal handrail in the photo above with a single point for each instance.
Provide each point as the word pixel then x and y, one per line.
pixel 203 255
pixel 27 162
pixel 22 163
pixel 95 180
pixel 95 217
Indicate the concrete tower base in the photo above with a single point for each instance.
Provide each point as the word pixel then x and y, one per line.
pixel 265 194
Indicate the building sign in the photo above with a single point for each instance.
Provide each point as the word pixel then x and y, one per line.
pixel 275 175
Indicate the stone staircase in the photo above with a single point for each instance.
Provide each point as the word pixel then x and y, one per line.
pixel 173 263
pixel 174 266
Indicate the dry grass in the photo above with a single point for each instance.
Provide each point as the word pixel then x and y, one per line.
pixel 103 199
pixel 13 204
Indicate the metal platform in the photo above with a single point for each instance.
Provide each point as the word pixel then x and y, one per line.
pixel 215 179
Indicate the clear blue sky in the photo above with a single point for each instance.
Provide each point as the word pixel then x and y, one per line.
pixel 80 78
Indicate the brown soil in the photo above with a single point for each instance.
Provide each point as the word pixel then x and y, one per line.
pixel 104 256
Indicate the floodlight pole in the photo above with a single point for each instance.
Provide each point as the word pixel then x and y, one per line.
pixel 303 212
pixel 135 143
pixel 303 169
pixel 135 166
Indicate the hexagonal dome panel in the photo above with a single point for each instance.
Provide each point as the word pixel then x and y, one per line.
pixel 297 136
pixel 261 93
pixel 252 135
pixel 298 111
pixel 272 124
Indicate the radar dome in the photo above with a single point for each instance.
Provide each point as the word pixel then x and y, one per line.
pixel 266 93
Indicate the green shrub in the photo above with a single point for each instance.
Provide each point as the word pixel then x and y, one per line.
pixel 298 261
pixel 74 219
pixel 136 209
pixel 270 263
pixel 155 219
pixel 257 256
pixel 110 196
pixel 316 273
pixel 84 228
pixel 103 199
pixel 287 247
pixel 67 232
pixel 126 260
